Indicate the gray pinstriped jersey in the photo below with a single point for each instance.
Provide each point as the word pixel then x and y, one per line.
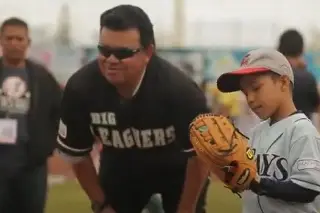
pixel 286 150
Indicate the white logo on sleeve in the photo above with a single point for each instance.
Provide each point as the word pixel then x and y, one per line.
pixel 62 129
pixel 308 164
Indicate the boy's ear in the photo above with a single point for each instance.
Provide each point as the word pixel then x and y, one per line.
pixel 286 83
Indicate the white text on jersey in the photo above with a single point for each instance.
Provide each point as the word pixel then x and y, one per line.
pixel 131 137
pixel 104 118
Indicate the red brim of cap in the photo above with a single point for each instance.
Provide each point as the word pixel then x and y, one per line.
pixel 230 82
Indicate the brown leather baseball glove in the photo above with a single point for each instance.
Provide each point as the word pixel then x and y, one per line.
pixel 225 150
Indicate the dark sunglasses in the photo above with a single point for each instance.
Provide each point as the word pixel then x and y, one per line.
pixel 119 53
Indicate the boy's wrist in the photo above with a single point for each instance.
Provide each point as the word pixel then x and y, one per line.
pixel 255 186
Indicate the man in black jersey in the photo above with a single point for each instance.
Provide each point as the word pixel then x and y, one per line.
pixel 139 106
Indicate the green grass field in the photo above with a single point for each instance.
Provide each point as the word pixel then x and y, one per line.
pixel 69 198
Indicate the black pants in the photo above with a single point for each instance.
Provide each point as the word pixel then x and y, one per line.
pixel 24 193
pixel 131 195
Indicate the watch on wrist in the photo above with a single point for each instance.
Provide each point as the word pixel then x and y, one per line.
pixel 97 207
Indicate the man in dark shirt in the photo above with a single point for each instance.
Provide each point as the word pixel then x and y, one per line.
pixel 139 106
pixel 305 91
pixel 29 115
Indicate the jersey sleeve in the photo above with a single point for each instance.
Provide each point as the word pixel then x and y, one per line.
pixel 304 159
pixel 74 136
pixel 189 103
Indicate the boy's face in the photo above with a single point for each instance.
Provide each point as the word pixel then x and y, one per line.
pixel 263 92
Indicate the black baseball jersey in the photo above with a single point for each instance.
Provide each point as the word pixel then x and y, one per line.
pixel 148 131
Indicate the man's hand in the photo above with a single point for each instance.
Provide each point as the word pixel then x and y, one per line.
pixel 186 211
pixel 108 210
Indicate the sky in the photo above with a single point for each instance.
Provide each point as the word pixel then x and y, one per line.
pixel 208 22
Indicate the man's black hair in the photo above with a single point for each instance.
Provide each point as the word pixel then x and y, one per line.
pixel 13 21
pixel 124 17
pixel 291 43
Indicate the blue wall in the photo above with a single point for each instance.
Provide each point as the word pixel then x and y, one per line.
pixel 210 63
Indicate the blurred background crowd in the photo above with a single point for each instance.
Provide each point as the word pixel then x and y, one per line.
pixel 204 38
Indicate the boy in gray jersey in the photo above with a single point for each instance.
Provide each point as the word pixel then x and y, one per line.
pixel 286 144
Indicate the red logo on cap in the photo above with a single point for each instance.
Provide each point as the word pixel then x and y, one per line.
pixel 245 60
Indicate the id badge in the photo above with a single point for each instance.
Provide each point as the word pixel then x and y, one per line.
pixel 8 131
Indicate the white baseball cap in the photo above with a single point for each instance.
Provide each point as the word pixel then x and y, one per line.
pixel 256 61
